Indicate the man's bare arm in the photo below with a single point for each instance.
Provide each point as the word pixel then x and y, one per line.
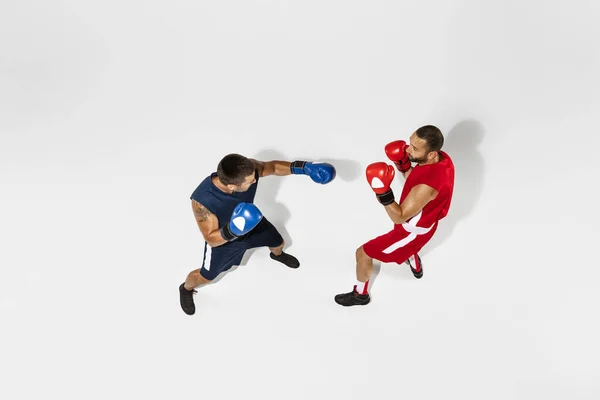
pixel 208 224
pixel 276 167
pixel 414 202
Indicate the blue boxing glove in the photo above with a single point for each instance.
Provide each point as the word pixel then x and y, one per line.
pixel 319 172
pixel 244 218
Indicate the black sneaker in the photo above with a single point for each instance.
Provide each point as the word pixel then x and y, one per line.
pixel 417 274
pixel 352 299
pixel 286 259
pixel 186 299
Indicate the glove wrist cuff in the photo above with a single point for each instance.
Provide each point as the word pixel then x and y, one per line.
pixel 386 198
pixel 227 234
pixel 297 167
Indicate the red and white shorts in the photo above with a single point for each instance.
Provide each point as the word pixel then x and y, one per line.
pixel 399 244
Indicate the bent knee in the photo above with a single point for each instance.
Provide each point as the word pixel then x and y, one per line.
pixel 195 272
pixel 360 252
pixel 197 276
pixel 279 245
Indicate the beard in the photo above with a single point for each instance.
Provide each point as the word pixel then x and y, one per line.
pixel 417 160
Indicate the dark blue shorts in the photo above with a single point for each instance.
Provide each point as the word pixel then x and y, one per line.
pixel 222 258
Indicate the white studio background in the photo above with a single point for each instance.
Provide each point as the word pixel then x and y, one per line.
pixel 112 112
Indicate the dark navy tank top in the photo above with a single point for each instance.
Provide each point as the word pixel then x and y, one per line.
pixel 220 203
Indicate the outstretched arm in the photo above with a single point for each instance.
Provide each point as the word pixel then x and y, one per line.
pixel 276 167
pixel 414 202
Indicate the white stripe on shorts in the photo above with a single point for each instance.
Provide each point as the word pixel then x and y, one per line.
pixel 414 230
pixel 207 256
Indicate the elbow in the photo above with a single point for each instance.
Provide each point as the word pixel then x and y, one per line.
pixel 398 220
pixel 215 243
pixel 398 217
pixel 395 213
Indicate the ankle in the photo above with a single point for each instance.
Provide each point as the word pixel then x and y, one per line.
pixel 362 288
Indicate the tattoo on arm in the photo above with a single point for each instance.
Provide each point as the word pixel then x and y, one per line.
pixel 200 212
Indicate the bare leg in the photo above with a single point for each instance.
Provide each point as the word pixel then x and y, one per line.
pixel 194 279
pixel 359 295
pixel 364 265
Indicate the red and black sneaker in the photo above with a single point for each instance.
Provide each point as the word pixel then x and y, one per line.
pixel 352 299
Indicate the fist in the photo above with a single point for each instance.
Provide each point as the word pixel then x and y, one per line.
pixel 319 172
pixel 244 218
pixel 380 176
pixel 396 152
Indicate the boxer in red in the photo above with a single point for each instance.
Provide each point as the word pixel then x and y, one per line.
pixel 425 199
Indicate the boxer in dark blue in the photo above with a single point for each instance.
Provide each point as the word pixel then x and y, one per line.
pixel 230 222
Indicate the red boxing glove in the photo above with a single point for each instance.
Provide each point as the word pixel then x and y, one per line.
pixel 396 152
pixel 380 176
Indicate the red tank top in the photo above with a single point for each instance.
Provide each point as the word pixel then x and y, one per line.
pixel 439 176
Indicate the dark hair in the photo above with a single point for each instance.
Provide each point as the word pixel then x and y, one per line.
pixel 432 135
pixel 234 168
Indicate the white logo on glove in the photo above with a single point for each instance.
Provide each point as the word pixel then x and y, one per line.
pixel 239 223
pixel 376 183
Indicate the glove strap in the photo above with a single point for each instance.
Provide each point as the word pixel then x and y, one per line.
pixel 297 167
pixel 227 234
pixel 386 198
